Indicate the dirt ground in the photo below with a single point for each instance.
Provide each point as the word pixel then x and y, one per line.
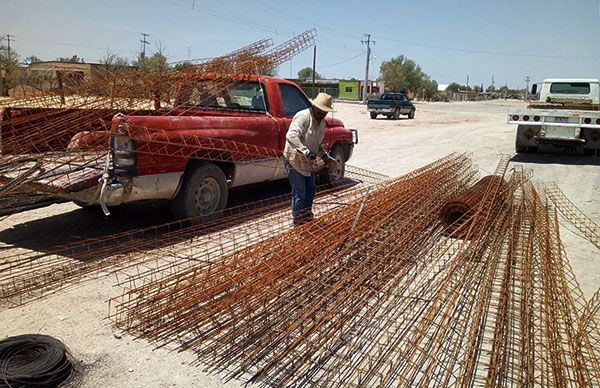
pixel 107 359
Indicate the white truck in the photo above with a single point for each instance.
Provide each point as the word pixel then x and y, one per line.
pixel 567 114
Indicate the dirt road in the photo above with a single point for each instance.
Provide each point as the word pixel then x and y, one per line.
pixel 391 147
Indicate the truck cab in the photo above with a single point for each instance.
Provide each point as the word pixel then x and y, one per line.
pixel 566 114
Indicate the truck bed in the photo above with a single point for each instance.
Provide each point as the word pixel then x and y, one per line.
pixel 50 173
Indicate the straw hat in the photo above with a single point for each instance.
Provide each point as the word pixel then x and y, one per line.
pixel 324 102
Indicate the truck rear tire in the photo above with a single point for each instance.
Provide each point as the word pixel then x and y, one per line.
pixel 203 191
pixel 396 114
pixel 373 115
pixel 524 149
pixel 335 174
pixel 411 114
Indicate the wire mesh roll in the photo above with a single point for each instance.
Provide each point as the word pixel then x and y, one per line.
pixel 458 215
pixel 33 360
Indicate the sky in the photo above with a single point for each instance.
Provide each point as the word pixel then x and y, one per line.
pixel 451 40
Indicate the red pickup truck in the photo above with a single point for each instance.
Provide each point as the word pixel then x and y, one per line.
pixel 186 152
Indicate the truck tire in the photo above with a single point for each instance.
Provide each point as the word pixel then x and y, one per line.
pixel 203 191
pixel 373 115
pixel 396 114
pixel 335 174
pixel 411 114
pixel 520 149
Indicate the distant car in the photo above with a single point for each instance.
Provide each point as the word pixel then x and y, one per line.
pixel 391 105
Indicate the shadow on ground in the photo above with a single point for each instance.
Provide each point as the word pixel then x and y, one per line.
pixel 140 225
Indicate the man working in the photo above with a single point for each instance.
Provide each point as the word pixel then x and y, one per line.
pixel 302 147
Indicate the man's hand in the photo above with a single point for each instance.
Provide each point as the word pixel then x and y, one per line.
pixel 309 154
pixel 328 158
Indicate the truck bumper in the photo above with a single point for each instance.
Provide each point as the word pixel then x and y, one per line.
pixel 382 111
pixel 562 136
pixel 123 190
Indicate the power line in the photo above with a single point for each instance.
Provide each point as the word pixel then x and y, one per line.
pixel 66 44
pixel 482 51
pixel 227 17
pixel 344 61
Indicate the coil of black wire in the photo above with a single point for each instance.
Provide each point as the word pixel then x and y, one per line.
pixel 33 360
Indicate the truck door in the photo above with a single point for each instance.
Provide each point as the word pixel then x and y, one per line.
pixel 293 100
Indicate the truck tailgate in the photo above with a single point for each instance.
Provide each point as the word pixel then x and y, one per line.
pixel 57 173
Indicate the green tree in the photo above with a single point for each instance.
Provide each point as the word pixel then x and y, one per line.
pixel 8 65
pixel 429 89
pixel 454 87
pixel 401 74
pixel 73 59
pixel 113 62
pixel 307 74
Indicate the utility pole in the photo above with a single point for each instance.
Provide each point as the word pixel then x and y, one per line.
pixel 492 88
pixel 368 42
pixel 144 42
pixel 527 79
pixel 8 37
pixel 467 82
pixel 314 70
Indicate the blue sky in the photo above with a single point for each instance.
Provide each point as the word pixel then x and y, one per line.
pixel 448 39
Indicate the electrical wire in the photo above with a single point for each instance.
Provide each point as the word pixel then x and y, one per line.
pixel 344 61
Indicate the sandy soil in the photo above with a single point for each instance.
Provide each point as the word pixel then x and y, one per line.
pixel 107 359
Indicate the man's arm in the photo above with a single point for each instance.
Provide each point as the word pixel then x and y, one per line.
pixel 298 128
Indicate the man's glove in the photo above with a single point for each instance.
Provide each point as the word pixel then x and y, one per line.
pixel 309 154
pixel 328 158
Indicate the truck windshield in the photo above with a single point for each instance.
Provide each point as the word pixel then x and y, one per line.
pixel 570 88
pixel 217 94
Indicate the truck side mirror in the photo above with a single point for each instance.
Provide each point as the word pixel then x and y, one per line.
pixel 534 89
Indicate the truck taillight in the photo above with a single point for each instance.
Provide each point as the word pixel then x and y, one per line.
pixel 123 155
pixel 587 120
pixel 515 117
pixel 525 118
pixel 536 118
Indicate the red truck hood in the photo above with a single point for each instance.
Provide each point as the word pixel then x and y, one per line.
pixel 333 122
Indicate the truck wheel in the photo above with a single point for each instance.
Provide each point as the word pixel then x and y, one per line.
pixel 336 173
pixel 411 114
pixel 373 115
pixel 203 191
pixel 396 114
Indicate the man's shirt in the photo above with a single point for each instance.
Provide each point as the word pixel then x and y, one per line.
pixel 304 134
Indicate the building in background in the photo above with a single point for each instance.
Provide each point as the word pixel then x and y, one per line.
pixel 349 90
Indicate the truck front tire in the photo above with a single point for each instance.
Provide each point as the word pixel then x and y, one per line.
pixel 373 115
pixel 203 191
pixel 411 114
pixel 335 174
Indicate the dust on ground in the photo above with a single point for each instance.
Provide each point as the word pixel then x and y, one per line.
pixel 393 147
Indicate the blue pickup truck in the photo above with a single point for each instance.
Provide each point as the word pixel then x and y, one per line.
pixel 391 105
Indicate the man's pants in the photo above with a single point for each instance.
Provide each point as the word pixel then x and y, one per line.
pixel 303 193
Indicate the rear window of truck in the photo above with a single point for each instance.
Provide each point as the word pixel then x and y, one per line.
pixel 570 88
pixel 219 94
